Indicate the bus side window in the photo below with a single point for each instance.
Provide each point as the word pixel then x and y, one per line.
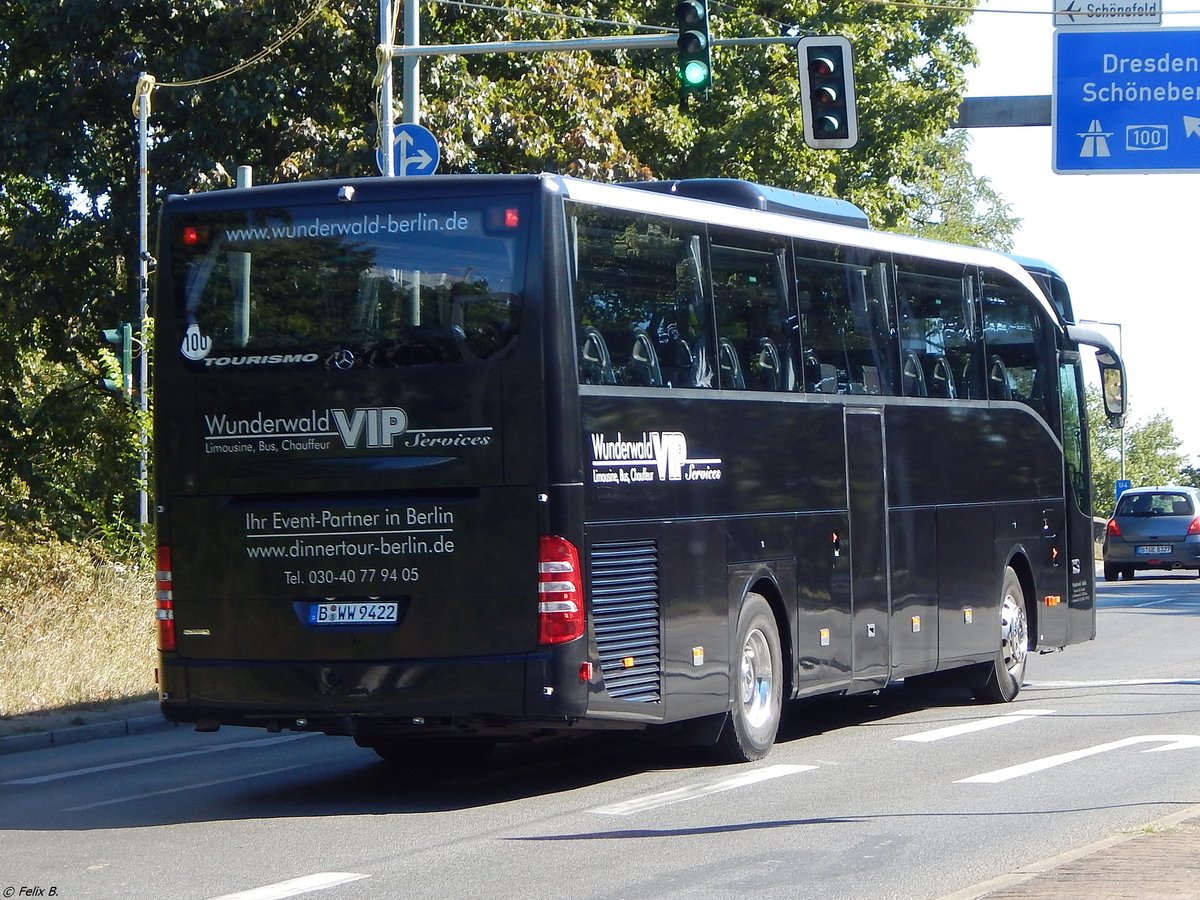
pixel 844 321
pixel 640 315
pixel 755 348
pixel 939 343
pixel 1020 356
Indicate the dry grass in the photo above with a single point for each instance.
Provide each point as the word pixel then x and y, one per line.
pixel 73 630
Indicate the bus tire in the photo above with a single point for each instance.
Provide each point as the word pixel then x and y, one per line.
pixel 1004 676
pixel 757 701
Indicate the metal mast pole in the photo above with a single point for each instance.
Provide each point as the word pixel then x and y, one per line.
pixel 386 113
pixel 144 258
pixel 412 64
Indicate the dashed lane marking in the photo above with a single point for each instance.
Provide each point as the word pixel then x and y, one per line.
pixel 150 760
pixel 691 792
pixel 183 787
pixel 295 886
pixel 938 734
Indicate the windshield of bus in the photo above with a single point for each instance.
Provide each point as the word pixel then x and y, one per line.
pixel 349 286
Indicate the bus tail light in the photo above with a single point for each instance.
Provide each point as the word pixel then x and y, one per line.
pixel 164 600
pixel 1194 528
pixel 1114 530
pixel 560 591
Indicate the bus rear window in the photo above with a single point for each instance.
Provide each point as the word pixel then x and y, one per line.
pixel 373 285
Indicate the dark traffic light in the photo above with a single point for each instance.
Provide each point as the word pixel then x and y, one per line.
pixel 827 92
pixel 694 60
pixel 121 338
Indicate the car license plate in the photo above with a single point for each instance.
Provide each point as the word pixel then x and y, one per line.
pixel 360 613
pixel 1152 549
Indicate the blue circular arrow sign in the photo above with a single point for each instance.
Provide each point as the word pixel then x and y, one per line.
pixel 414 151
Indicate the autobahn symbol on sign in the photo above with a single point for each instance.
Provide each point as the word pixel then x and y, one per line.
pixel 1126 100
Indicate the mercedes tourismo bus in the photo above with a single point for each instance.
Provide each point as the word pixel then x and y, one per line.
pixel 451 460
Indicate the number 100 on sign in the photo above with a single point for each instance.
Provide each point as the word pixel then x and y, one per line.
pixel 1146 137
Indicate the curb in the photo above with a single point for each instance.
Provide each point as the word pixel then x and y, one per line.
pixel 78 734
pixel 1041 867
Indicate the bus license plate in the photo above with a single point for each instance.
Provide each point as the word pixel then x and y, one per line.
pixel 368 613
pixel 1152 549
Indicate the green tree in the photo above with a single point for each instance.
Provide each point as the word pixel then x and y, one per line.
pixel 1152 454
pixel 68 173
pixel 1190 475
pixel 955 204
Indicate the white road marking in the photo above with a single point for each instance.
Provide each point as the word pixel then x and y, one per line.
pixel 1172 741
pixel 1115 682
pixel 149 760
pixel 181 788
pixel 295 886
pixel 679 795
pixel 974 725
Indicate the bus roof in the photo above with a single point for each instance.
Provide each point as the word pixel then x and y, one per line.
pixel 748 195
pixel 1051 281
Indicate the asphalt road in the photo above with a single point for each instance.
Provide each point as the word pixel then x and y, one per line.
pixel 902 795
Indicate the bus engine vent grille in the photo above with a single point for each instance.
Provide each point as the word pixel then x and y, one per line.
pixel 626 618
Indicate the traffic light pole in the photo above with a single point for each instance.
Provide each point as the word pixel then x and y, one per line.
pixel 143 112
pixel 666 40
pixel 413 50
pixel 386 113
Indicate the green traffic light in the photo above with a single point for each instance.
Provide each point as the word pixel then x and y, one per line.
pixel 693 65
pixel 694 74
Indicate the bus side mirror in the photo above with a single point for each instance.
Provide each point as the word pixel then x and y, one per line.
pixel 1112 387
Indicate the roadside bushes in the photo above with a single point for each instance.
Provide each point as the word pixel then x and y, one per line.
pixel 76 626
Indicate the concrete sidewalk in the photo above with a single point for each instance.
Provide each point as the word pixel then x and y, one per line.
pixel 1161 860
pixel 41 730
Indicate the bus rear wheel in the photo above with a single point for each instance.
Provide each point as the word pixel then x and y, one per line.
pixel 753 721
pixel 1004 676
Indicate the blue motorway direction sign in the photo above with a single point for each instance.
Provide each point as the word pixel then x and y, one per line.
pixel 414 151
pixel 1126 100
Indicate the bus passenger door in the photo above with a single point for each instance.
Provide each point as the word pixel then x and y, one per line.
pixel 1079 548
pixel 867 503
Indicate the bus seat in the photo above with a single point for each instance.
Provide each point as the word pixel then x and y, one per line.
pixel 913 376
pixel 643 368
pixel 966 381
pixel 730 365
pixel 812 372
pixel 941 380
pixel 999 382
pixel 595 363
pixel 769 366
pixel 676 360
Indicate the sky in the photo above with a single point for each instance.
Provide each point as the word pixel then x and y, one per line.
pixel 1125 243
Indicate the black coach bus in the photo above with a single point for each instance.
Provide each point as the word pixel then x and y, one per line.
pixel 445 461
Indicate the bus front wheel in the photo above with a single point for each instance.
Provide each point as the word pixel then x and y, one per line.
pixel 1005 674
pixel 753 720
